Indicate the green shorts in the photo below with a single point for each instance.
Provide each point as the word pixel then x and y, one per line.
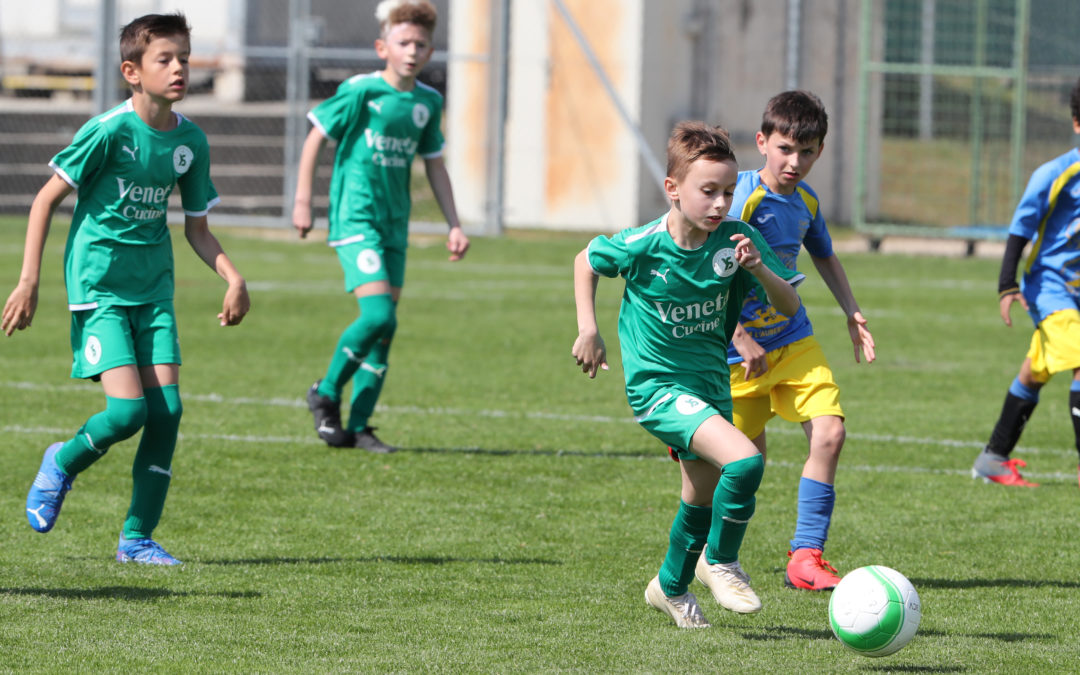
pixel 109 337
pixel 365 259
pixel 673 414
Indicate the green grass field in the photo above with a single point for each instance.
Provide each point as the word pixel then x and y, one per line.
pixel 519 525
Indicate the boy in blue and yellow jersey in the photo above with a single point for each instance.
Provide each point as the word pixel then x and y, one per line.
pixel 686 276
pixel 1048 215
pixel 118 269
pixel 784 371
pixel 380 122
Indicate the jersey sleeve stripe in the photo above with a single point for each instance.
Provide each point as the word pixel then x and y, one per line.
pixel 318 125
pixel 1055 190
pixel 63 175
pixel 751 203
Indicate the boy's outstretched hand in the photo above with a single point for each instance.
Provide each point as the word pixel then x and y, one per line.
pixel 746 254
pixel 590 353
pixel 457 243
pixel 19 309
pixel 861 337
pixel 236 305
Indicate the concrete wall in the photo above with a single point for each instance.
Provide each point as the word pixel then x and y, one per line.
pixel 571 162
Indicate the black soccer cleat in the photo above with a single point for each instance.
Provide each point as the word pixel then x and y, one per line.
pixel 327 416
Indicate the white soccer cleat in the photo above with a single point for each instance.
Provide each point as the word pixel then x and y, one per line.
pixel 729 584
pixel 684 609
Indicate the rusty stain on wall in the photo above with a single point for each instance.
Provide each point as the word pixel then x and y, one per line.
pixel 583 125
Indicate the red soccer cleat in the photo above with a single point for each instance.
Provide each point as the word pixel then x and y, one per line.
pixel 806 570
pixel 1002 473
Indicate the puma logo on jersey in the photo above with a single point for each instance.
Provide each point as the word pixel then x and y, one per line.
pixel 130 151
pixel 662 275
pixel 376 106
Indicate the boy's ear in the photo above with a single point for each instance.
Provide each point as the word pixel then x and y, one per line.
pixel 671 188
pixel 130 71
pixel 380 48
pixel 761 140
pixel 1076 126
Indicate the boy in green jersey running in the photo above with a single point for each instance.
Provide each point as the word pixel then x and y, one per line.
pixel 118 269
pixel 380 122
pixel 687 274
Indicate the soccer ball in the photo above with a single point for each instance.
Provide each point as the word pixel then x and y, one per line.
pixel 874 610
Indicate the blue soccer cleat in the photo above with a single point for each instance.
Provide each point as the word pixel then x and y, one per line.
pixel 47 493
pixel 145 551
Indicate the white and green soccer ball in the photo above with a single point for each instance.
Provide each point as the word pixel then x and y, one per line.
pixel 874 610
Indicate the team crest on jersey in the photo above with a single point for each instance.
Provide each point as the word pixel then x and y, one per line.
pixel 181 158
pixel 420 115
pixel 368 261
pixel 92 350
pixel 689 405
pixel 723 263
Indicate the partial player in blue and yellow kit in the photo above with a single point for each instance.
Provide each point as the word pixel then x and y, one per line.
pixel 783 368
pixel 687 274
pixel 1048 216
pixel 380 122
pixel 118 269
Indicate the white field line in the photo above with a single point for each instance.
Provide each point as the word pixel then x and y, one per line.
pixel 660 456
pixel 903 440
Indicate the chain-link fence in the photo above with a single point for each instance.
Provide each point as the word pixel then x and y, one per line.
pixel 960 101
pixel 939 109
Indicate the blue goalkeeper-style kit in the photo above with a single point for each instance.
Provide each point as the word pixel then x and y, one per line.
pixel 1049 216
pixel 787 222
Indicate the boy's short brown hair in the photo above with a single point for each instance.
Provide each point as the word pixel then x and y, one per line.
pixel 797 114
pixel 390 13
pixel 691 141
pixel 135 36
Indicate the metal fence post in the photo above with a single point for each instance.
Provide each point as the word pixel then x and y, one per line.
pixel 105 79
pixel 297 86
pixel 497 92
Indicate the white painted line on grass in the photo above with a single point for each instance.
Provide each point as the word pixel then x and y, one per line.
pixel 513 414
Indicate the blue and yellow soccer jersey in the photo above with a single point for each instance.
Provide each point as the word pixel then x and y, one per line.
pixel 378 130
pixel 787 223
pixel 679 307
pixel 118 248
pixel 1049 215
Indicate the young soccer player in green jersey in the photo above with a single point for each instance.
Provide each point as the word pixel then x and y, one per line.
pixel 687 274
pixel 118 268
pixel 380 122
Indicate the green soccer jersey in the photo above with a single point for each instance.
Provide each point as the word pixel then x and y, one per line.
pixel 680 307
pixel 118 249
pixel 378 130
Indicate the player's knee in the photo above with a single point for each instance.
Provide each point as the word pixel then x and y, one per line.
pixel 742 479
pixel 122 419
pixel 379 313
pixel 828 436
pixel 163 406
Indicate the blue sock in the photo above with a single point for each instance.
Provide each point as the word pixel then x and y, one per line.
pixel 1018 390
pixel 816 501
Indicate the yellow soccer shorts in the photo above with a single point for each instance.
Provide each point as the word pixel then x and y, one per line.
pixel 1055 345
pixel 798 386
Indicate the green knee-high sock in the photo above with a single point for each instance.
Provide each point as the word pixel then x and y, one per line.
pixel 368 383
pixel 688 534
pixel 151 471
pixel 733 505
pixel 120 420
pixel 376 319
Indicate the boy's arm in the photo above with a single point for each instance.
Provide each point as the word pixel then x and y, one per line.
pixel 754 357
pixel 1008 289
pixel 22 303
pixel 236 303
pixel 589 349
pixel 456 241
pixel 832 273
pixel 781 294
pixel 305 180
